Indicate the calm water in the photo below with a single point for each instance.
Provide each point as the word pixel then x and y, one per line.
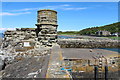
pixel 1 35
pixel 65 37
pixel 112 49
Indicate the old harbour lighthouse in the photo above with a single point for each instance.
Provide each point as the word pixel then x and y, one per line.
pixel 47 27
pixel 45 34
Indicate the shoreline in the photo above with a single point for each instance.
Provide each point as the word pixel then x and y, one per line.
pixel 88 43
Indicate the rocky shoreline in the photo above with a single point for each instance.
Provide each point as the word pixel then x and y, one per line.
pixel 32 67
pixel 32 63
pixel 89 43
pixel 24 65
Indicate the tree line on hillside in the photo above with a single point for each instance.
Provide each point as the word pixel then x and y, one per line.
pixel 68 32
pixel 112 28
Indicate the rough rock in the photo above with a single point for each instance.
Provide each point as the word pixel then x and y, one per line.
pixel 88 43
pixel 1 64
pixel 27 68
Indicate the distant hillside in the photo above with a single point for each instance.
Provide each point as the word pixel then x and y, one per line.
pixel 115 27
pixel 68 33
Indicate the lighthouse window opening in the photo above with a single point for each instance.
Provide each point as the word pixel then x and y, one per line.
pixel 42 20
pixel 55 21
pixel 113 62
pixel 43 17
pixel 38 20
pixel 43 11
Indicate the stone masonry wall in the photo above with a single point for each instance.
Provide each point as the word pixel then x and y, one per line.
pixel 20 34
pixel 87 43
pixel 47 27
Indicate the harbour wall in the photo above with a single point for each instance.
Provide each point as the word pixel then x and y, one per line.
pixel 88 43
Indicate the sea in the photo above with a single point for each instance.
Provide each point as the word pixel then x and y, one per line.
pixel 1 35
pixel 112 49
pixel 67 37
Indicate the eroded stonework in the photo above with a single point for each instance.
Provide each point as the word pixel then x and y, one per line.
pixel 47 27
pixel 44 35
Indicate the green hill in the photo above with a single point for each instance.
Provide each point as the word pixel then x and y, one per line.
pixel 68 32
pixel 113 28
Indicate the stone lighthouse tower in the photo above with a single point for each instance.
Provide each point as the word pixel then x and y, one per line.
pixel 47 27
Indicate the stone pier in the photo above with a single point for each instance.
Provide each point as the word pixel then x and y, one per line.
pixel 56 62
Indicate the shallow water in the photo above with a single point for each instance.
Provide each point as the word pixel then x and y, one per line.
pixel 112 49
pixel 65 37
pixel 1 35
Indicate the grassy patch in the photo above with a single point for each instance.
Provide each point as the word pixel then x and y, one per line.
pixel 114 38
